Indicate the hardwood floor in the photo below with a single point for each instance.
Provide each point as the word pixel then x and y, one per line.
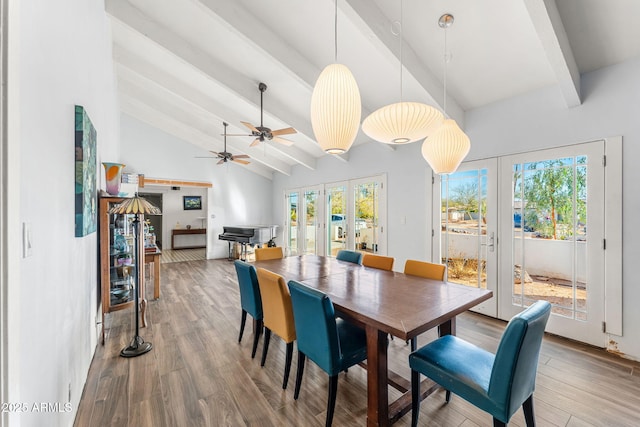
pixel 198 375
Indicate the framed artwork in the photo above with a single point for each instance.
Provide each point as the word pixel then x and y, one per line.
pixel 192 203
pixel 85 149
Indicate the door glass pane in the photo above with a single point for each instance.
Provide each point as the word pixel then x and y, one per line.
pixel 292 234
pixel 550 234
pixel 464 227
pixel 366 216
pixel 337 219
pixel 311 223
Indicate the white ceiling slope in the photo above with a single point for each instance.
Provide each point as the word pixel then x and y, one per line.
pixel 185 66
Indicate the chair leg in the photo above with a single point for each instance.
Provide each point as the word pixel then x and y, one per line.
pixel 265 348
pixel 256 337
pixel 415 397
pixel 301 359
pixel 447 396
pixel 414 344
pixel 527 407
pixel 243 320
pixel 498 423
pixel 331 402
pixel 287 364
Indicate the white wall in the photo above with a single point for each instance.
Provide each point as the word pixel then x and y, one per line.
pixel 64 59
pixel 536 120
pixel 238 197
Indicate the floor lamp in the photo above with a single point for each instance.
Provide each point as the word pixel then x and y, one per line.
pixel 136 206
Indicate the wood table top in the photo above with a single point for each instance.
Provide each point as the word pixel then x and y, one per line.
pixel 399 304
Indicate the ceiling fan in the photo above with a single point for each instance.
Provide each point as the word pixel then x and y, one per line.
pixel 225 156
pixel 262 133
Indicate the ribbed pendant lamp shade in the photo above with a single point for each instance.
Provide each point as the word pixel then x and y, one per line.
pixel 402 122
pixel 446 148
pixel 335 109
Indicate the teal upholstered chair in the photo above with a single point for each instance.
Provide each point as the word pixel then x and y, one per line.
pixel 497 384
pixel 249 300
pixel 332 344
pixel 349 256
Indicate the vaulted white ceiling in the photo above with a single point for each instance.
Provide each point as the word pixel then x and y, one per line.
pixel 185 66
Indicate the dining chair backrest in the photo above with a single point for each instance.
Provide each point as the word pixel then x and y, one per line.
pixel 513 375
pixel 263 254
pixel 378 261
pixel 316 329
pixel 424 269
pixel 349 256
pixel 276 304
pixel 250 299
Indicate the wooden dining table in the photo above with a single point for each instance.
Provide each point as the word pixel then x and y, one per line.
pixel 382 302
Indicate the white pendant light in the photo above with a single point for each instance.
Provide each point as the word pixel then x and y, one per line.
pixel 402 122
pixel 449 145
pixel 335 105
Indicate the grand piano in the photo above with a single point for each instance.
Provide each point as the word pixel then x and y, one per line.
pixel 248 235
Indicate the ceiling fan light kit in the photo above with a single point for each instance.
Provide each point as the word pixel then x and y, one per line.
pixel 336 109
pixel 449 145
pixel 225 156
pixel 262 133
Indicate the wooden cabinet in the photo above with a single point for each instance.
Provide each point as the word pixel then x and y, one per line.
pixel 117 259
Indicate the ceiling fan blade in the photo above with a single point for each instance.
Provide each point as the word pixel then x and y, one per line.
pixel 204 157
pixel 221 161
pixel 242 162
pixel 255 142
pixel 285 131
pixel 250 126
pixel 241 156
pixel 282 141
pixel 238 134
pixel 215 153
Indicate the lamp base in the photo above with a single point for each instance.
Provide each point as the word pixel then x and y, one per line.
pixel 136 348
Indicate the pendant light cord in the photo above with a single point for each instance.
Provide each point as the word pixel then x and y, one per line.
pixel 445 72
pixel 401 43
pixel 335 32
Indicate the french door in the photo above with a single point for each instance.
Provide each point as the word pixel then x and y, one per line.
pixel 303 222
pixel 551 234
pixel 465 214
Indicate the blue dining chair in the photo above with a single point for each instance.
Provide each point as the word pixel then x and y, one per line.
pixel 349 256
pixel 249 300
pixel 497 384
pixel 331 343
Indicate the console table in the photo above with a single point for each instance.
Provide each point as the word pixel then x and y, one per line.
pixel 185 231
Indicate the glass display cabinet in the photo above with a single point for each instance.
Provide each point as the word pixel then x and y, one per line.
pixel 117 261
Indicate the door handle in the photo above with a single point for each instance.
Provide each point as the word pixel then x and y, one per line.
pixel 490 243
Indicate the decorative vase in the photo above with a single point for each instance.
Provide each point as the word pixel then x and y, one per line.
pixel 113 173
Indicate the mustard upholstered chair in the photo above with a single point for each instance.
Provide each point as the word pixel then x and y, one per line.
pixel 378 261
pixel 263 254
pixel 277 315
pixel 428 270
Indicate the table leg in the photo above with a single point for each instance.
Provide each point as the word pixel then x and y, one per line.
pixel 156 277
pixel 377 378
pixel 448 327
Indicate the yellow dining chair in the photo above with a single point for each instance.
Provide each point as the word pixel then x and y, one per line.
pixel 378 261
pixel 277 315
pixel 428 270
pixel 263 254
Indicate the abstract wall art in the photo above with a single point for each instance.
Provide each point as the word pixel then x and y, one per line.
pixel 86 196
